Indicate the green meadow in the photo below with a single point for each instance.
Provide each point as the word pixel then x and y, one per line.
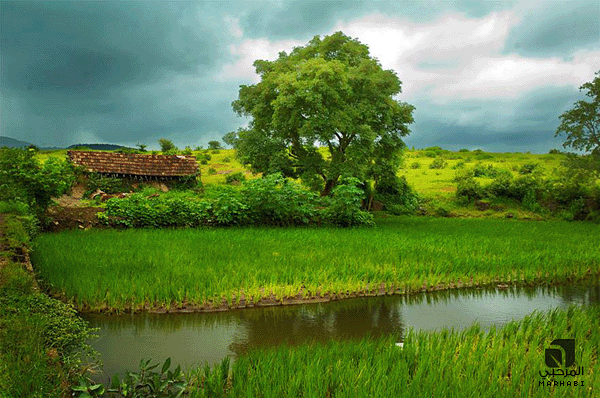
pixel 505 362
pixel 142 268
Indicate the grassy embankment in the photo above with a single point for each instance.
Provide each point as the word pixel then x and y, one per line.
pixel 135 268
pixel 40 338
pixel 506 362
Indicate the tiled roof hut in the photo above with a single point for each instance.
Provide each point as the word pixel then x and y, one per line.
pixel 138 166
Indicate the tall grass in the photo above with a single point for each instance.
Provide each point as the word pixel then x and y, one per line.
pixel 142 268
pixel 506 362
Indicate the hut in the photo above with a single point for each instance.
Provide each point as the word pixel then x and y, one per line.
pixel 136 166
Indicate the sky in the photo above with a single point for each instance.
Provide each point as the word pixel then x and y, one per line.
pixel 494 75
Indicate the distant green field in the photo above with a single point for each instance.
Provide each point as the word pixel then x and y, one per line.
pixel 135 268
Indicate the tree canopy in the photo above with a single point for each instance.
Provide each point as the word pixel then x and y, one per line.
pixel 324 111
pixel 582 123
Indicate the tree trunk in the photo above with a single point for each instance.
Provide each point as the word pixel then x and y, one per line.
pixel 329 185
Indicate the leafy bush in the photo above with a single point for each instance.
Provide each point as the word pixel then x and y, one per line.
pixel 275 200
pixel 527 168
pixel 438 163
pixel 468 190
pixel 345 205
pixel 145 383
pixel 487 170
pixel 415 165
pixel 212 171
pixel 396 195
pixel 235 178
pixel 23 179
pixel 271 200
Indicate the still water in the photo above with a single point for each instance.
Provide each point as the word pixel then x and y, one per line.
pixel 197 339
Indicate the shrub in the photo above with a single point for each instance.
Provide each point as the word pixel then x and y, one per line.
pixel 468 190
pixel 275 200
pixel 235 178
pixel 23 179
pixel 345 205
pixel 527 168
pixel 415 165
pixel 396 195
pixel 212 171
pixel 438 163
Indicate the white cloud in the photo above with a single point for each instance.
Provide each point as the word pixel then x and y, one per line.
pixel 248 51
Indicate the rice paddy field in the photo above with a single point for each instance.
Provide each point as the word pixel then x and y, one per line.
pixel 506 362
pixel 143 268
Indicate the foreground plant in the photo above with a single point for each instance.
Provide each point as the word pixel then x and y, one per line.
pixel 146 383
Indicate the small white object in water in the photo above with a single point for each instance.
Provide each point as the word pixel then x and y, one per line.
pixel 400 345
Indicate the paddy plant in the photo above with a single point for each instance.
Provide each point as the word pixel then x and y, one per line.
pixel 504 362
pixel 143 268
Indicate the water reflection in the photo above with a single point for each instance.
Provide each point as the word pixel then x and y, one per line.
pixel 196 339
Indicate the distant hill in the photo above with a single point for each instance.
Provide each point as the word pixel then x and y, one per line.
pixel 12 143
pixel 98 147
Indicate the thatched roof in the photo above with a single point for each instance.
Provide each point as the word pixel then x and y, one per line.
pixel 135 164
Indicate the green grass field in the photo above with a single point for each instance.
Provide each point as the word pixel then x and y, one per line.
pixel 506 362
pixel 135 268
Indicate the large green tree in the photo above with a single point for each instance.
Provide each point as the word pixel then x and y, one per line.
pixel 581 125
pixel 324 111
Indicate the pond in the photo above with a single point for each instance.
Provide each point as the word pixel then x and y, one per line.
pixel 199 338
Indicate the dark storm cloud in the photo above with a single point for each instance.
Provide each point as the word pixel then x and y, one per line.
pixel 75 66
pixel 85 47
pixel 526 124
pixel 293 19
pixel 557 29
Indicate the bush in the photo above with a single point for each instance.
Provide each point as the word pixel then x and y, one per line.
pixel 345 205
pixel 527 168
pixel 212 171
pixel 468 190
pixel 271 200
pixel 274 200
pixel 396 195
pixel 415 165
pixel 235 178
pixel 483 170
pixel 23 179
pixel 438 163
